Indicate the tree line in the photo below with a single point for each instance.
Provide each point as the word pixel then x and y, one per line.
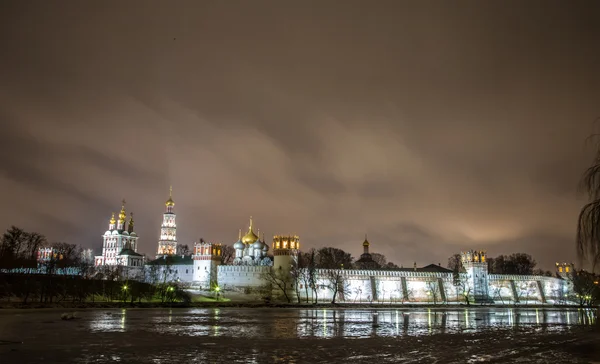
pixel 26 279
pixel 517 263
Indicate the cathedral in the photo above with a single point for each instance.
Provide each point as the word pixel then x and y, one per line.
pixel 119 243
pixel 250 250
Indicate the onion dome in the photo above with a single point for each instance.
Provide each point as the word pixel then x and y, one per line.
pixel 258 245
pixel 366 242
pixel 122 214
pixel 170 202
pixel 250 237
pixel 112 219
pixel 238 245
pixel 265 247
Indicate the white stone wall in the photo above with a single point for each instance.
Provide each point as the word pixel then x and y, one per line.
pixel 421 287
pixel 239 276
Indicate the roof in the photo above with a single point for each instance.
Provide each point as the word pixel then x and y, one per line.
pixel 173 260
pixel 434 268
pixel 130 252
pixel 431 268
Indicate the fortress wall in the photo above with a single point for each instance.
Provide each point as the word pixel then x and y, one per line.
pixel 527 289
pixel 364 286
pixel 239 276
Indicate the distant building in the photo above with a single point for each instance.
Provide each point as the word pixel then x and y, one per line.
pixel 366 260
pixel 119 243
pixel 167 243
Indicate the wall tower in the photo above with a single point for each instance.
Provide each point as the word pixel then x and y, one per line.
pixel 207 258
pixel 167 245
pixel 285 253
pixel 475 263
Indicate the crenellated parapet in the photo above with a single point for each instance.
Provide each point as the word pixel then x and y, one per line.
pixel 286 245
pixel 473 256
pixel 207 251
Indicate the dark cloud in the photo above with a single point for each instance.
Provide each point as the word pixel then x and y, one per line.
pixel 434 127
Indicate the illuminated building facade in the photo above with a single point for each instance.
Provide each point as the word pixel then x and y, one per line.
pixel 250 250
pixel 119 243
pixel 167 244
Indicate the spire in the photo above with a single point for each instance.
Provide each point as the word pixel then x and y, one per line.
pixel 122 214
pixel 170 202
pixel 240 235
pixel 258 234
pixel 112 222
pixel 130 225
pixel 250 228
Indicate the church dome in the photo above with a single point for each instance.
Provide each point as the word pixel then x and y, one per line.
pixel 107 233
pixel 238 245
pixel 265 248
pixel 258 245
pixel 366 242
pixel 115 232
pixel 250 236
pixel 125 233
pixel 170 202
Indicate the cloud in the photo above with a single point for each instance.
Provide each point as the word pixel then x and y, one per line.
pixel 430 129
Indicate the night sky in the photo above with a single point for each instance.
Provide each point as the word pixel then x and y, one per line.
pixel 433 127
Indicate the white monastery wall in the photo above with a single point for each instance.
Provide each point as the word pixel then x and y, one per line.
pixel 239 276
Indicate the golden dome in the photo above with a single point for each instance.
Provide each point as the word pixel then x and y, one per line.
pixel 170 202
pixel 112 219
pixel 250 237
pixel 122 214
pixel 366 242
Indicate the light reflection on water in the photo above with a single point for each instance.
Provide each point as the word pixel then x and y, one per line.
pixel 327 323
pixel 295 335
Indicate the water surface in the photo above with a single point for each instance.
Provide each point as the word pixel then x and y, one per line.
pixel 295 335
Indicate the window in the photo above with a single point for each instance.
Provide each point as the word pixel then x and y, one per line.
pixel 186 271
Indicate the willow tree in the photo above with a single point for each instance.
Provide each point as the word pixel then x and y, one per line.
pixel 588 224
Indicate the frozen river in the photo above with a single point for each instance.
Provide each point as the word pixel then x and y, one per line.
pixel 297 336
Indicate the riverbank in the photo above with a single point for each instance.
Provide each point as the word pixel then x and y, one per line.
pixel 220 304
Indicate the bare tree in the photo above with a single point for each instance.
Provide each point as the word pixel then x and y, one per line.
pixel 433 290
pixel 455 263
pixel 313 275
pixel 336 283
pixel 588 222
pixel 333 258
pixel 379 258
pixel 497 290
pixel 278 279
pixel 300 275
pixel 227 254
pixel 183 249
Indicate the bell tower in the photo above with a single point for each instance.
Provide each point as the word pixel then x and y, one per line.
pixel 167 244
